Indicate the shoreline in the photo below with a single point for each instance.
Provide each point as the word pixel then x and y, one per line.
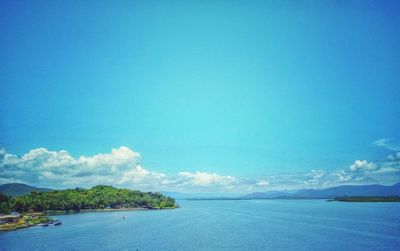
pixel 374 199
pixel 59 212
pixel 62 212
pixel 25 221
pixel 44 219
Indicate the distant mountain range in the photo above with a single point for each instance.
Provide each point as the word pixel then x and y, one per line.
pixel 329 193
pixel 16 189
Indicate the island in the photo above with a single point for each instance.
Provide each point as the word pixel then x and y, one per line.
pixel 32 209
pixel 369 199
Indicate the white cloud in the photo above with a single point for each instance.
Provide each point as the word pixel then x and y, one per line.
pixel 314 177
pixel 342 176
pixel 387 144
pixel 262 183
pixel 118 157
pixel 139 175
pixel 394 157
pixel 121 167
pixel 362 171
pixel 206 179
pixel 381 142
pixel 40 165
pixel 362 165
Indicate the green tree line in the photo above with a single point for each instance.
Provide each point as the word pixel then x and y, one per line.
pixel 98 197
pixel 369 199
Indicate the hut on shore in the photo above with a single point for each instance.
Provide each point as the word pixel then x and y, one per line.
pixel 9 218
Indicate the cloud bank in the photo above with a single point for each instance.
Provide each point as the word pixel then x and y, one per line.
pixel 121 167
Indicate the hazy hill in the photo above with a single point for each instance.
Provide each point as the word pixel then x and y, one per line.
pixel 332 192
pixel 16 189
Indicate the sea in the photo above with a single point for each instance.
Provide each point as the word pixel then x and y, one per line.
pixel 222 225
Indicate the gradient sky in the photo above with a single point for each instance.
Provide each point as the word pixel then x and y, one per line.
pixel 239 88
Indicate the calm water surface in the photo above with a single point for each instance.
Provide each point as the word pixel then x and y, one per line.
pixel 223 225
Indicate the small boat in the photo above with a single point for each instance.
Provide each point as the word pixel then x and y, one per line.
pixel 43 224
pixel 55 223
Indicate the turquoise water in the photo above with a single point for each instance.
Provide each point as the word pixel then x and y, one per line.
pixel 223 225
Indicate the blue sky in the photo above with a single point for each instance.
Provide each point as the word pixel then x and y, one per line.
pixel 242 89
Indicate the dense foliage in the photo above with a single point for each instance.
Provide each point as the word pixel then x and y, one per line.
pixel 98 197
